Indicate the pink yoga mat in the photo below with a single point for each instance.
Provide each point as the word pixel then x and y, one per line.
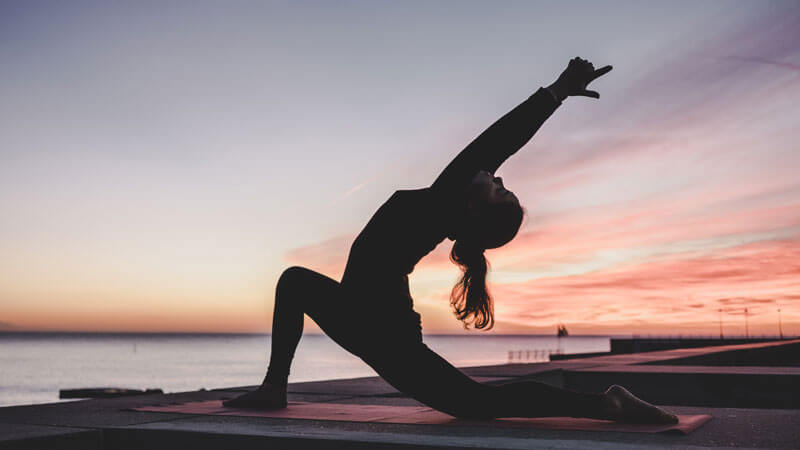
pixel 421 415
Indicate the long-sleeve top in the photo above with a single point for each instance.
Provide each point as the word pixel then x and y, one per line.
pixel 411 223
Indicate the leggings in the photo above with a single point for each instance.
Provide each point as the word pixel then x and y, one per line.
pixel 410 367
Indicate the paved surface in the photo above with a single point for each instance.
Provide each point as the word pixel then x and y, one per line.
pixel 109 424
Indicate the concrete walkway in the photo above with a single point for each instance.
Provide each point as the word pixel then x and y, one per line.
pixel 766 415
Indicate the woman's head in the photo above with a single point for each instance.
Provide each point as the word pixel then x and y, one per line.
pixel 493 214
pixel 491 218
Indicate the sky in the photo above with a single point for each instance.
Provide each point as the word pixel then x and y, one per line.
pixel 161 163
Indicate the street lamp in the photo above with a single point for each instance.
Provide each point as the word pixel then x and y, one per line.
pixel 746 329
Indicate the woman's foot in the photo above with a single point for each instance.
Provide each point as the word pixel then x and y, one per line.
pixel 267 396
pixel 622 406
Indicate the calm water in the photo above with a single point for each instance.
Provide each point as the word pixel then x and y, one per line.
pixel 33 367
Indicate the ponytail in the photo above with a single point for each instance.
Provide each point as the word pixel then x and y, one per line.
pixel 470 297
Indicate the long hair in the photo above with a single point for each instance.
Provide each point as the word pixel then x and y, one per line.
pixel 470 297
pixel 493 227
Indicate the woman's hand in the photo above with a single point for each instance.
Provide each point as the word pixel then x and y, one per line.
pixel 575 77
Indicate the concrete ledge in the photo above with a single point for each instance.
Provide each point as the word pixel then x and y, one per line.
pixel 730 428
pixel 21 436
pixel 200 440
pixel 645 344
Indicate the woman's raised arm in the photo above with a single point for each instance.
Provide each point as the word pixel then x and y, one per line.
pixel 501 140
pixel 512 131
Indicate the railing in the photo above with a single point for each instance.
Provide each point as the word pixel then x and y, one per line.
pixel 536 355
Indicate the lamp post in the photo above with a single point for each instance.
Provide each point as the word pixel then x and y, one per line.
pixel 720 323
pixel 746 328
pixel 780 328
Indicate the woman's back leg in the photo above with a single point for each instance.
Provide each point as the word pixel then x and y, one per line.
pixel 428 378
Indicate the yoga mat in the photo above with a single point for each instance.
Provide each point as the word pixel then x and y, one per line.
pixel 422 415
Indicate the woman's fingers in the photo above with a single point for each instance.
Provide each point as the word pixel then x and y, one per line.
pixel 601 71
pixel 596 74
pixel 586 93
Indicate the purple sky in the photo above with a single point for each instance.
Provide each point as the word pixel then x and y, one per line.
pixel 160 164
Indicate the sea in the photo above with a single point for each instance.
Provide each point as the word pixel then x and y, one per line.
pixel 34 366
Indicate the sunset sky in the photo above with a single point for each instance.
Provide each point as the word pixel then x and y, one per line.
pixel 162 162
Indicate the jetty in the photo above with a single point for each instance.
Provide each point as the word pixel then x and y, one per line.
pixel 751 391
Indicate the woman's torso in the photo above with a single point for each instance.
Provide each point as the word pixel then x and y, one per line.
pixel 408 226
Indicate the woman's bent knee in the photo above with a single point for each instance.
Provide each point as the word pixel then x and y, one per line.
pixel 292 276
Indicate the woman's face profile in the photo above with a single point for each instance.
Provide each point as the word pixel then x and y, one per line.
pixel 488 189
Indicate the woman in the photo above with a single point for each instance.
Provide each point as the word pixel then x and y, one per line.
pixel 370 312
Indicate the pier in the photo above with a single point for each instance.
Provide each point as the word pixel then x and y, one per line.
pixel 751 390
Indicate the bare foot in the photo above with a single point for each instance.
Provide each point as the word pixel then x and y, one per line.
pixel 266 396
pixel 625 407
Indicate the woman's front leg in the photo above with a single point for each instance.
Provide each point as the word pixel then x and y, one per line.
pixel 299 291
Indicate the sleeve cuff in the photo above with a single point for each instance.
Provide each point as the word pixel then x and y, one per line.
pixel 552 94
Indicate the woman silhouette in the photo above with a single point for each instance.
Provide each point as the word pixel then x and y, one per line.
pixel 370 312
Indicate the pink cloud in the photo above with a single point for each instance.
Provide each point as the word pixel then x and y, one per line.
pixel 756 276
